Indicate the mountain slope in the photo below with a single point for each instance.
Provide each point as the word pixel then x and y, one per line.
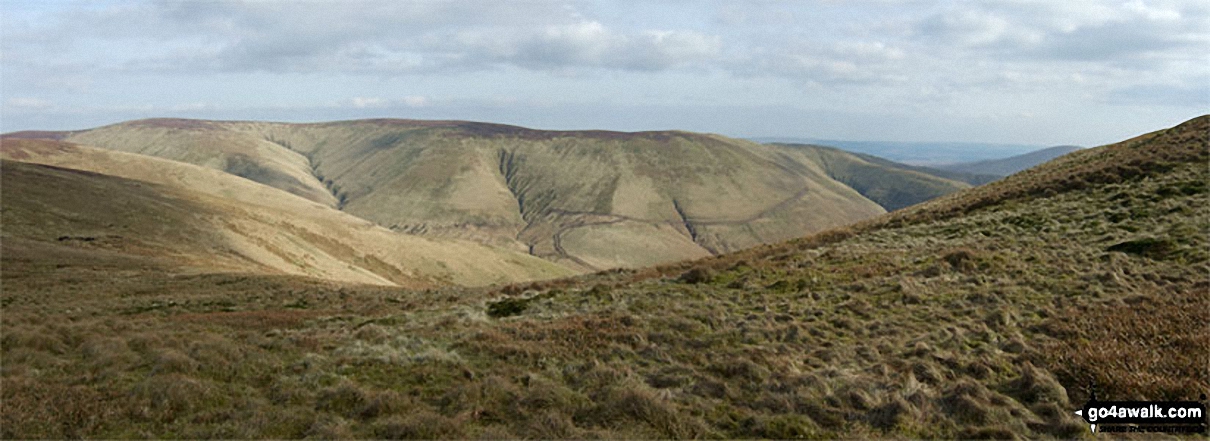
pixel 591 199
pixel 1010 165
pixel 1009 299
pixel 985 313
pixel 890 184
pixel 215 222
pixel 596 198
pixel 207 144
pixel 988 313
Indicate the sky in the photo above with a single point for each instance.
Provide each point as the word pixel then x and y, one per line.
pixel 1026 72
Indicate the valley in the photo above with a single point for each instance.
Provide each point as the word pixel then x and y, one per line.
pixel 985 312
pixel 571 219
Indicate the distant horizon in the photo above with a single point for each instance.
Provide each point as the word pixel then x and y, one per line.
pixel 880 141
pixel 755 138
pixel 917 153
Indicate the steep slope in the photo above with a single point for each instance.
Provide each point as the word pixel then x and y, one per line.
pixel 209 145
pixel 599 199
pixel 988 313
pixel 213 221
pixel 1010 165
pixel 969 178
pixel 592 199
pixel 890 184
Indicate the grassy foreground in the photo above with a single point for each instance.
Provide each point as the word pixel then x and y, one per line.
pixel 985 314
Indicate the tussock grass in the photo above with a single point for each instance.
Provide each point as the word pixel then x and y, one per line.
pixel 988 324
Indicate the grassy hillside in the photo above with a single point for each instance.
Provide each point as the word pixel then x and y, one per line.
pixel 986 313
pixel 588 199
pixel 209 145
pixel 891 185
pixel 1010 165
pixel 209 221
pixel 594 199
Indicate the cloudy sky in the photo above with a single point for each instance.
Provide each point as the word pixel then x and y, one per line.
pixel 1044 72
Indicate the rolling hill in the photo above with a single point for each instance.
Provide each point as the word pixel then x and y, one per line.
pixel 585 199
pixel 1010 165
pixel 58 194
pixel 992 312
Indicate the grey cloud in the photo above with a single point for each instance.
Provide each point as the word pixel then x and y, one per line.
pixel 1108 42
pixel 844 62
pixel 972 28
pixel 589 44
pixel 1068 31
pixel 1032 47
pixel 375 37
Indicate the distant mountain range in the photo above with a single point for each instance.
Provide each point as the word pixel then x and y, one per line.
pixel 1012 164
pixel 938 159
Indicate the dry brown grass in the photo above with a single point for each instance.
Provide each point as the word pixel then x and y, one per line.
pixel 205 219
pixel 1129 160
pixel 1147 347
pixel 255 320
pixel 989 324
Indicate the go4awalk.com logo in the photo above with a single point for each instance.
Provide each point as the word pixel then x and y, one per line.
pixel 1145 416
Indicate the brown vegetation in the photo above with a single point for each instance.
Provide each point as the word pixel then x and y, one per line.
pixel 941 322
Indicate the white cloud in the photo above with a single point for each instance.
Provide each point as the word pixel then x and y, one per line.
pixel 362 102
pixel 1149 12
pixel 586 44
pixel 376 37
pixel 843 62
pixel 1104 31
pixel 414 101
pixel 411 101
pixel 373 57
pixel 26 103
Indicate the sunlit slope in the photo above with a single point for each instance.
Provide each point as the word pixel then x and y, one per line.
pixel 590 199
pixel 989 313
pixel 210 145
pixel 240 225
pixel 599 199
